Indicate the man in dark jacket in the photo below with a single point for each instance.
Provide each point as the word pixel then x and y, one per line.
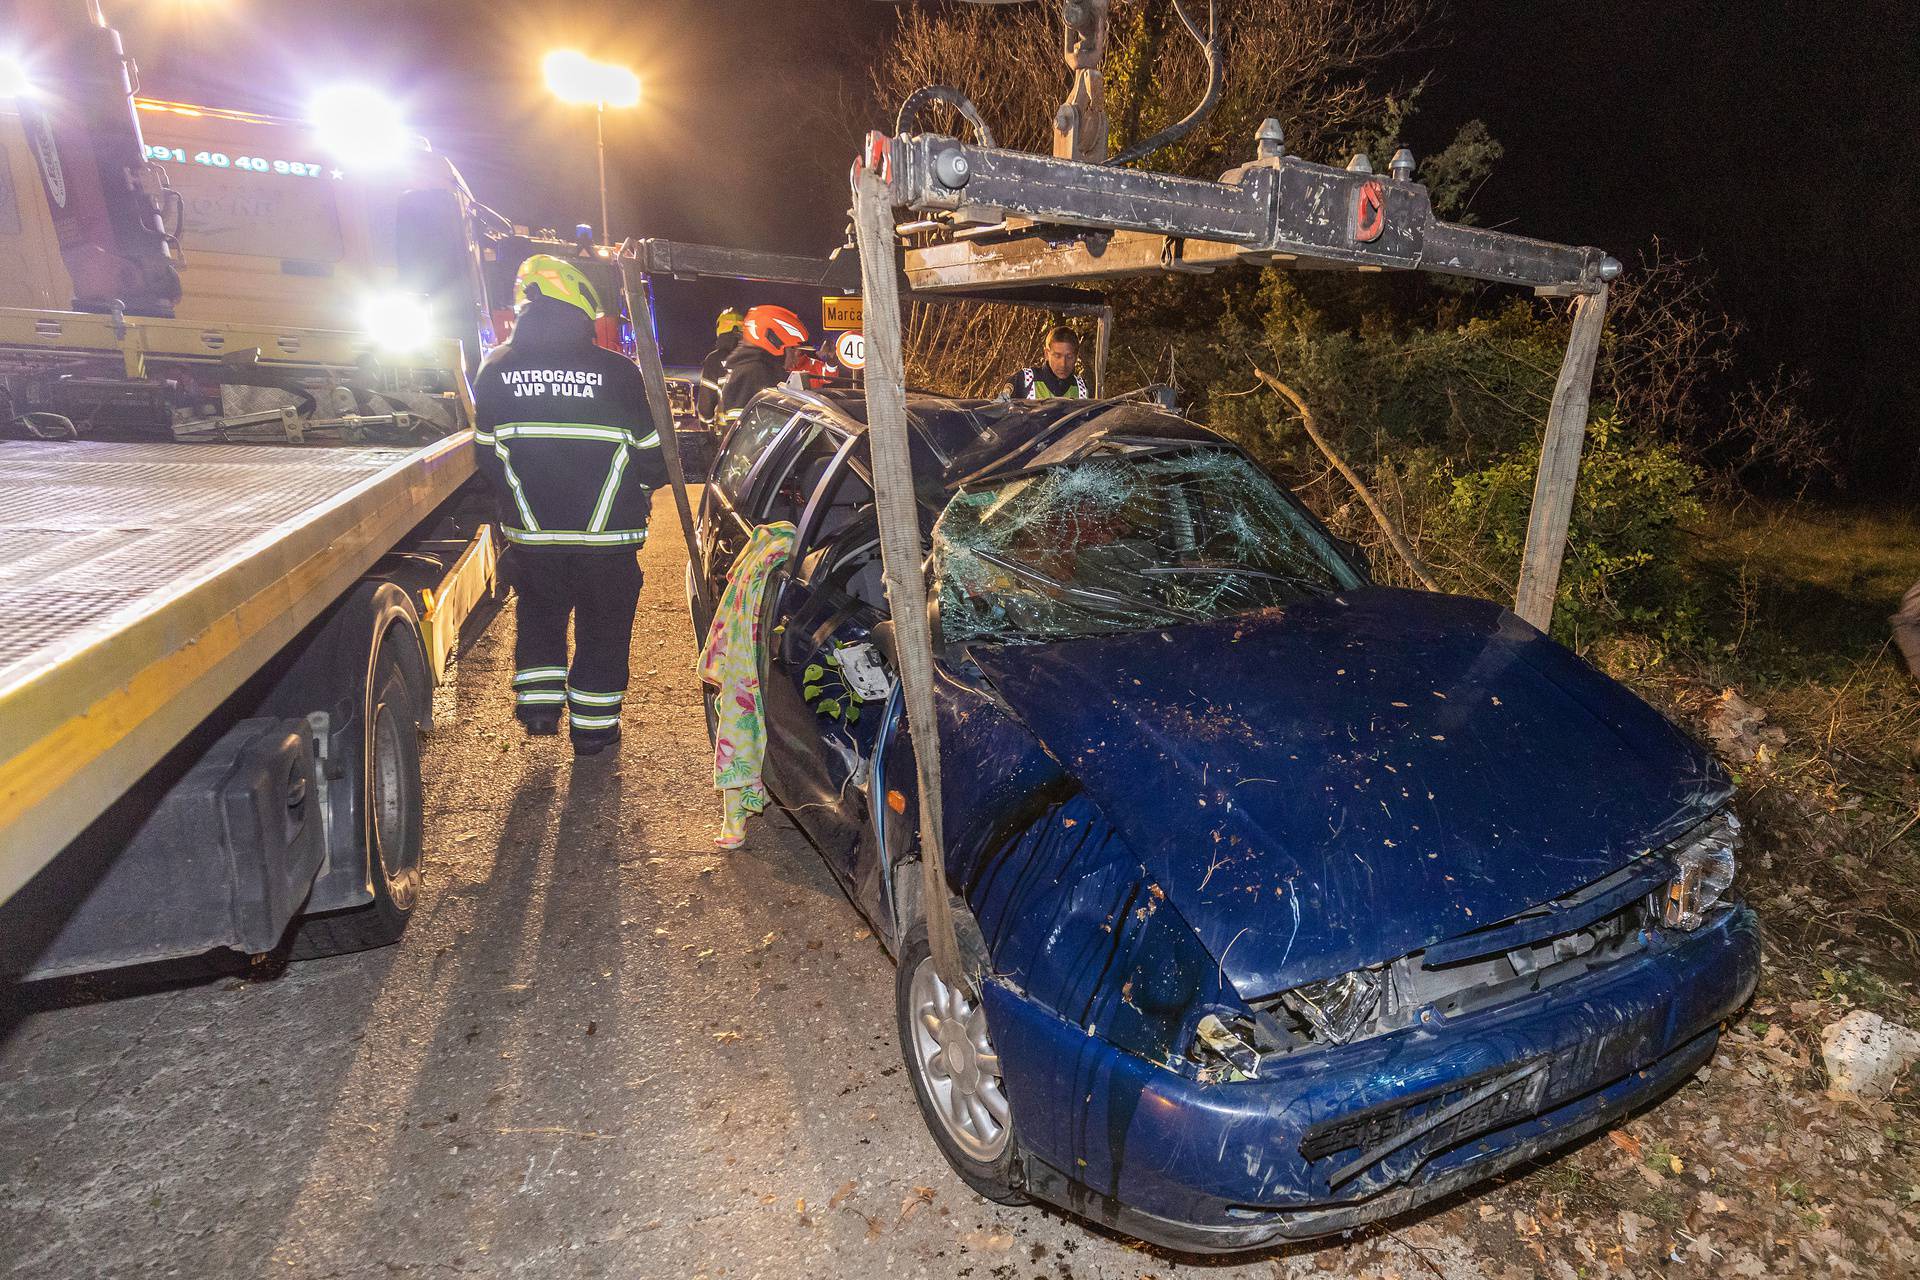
pixel 760 360
pixel 564 437
pixel 706 396
pixel 1057 379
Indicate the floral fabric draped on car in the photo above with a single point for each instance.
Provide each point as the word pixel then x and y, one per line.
pixel 730 661
pixel 1124 541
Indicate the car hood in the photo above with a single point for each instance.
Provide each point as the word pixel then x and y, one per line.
pixel 1343 781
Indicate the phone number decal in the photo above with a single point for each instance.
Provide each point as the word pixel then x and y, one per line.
pixel 221 160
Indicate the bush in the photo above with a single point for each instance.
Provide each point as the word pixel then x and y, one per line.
pixel 1624 547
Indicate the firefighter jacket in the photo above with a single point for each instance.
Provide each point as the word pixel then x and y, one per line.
pixel 1039 384
pixel 749 371
pixel 564 437
pixel 706 396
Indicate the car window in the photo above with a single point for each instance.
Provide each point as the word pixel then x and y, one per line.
pixel 1124 542
pixel 747 441
pixel 784 492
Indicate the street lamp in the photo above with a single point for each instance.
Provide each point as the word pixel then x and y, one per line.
pixel 575 78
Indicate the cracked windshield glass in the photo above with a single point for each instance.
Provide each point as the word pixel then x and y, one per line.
pixel 1117 543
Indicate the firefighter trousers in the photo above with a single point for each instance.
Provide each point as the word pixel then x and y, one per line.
pixel 598 591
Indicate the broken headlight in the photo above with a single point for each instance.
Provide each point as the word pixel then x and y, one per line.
pixel 1337 1008
pixel 1703 870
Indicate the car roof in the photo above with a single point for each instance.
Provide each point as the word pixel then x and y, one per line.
pixel 977 440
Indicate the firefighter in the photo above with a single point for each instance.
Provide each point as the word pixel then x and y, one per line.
pixel 1059 378
pixel 767 333
pixel 706 397
pixel 564 438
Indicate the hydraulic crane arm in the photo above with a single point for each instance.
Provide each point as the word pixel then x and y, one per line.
pixel 86 143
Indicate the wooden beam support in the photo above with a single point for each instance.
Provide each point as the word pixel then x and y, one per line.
pixel 1560 464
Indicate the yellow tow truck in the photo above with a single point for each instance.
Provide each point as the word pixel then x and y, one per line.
pixel 237 503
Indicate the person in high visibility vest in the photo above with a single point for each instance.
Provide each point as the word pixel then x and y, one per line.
pixel 706 396
pixel 1057 379
pixel 564 437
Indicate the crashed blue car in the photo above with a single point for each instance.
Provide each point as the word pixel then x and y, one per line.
pixel 1302 901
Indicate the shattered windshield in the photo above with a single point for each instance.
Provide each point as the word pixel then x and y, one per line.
pixel 1123 542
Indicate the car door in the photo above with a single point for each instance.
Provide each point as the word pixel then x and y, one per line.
pixel 827 688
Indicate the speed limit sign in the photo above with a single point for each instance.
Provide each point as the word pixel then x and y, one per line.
pixel 851 347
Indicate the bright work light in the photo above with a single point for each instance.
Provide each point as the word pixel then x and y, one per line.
pixel 398 323
pixel 574 77
pixel 362 126
pixel 14 81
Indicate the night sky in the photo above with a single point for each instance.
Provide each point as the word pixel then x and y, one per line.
pixel 1777 136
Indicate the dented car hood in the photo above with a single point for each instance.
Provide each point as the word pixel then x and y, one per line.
pixel 1338 783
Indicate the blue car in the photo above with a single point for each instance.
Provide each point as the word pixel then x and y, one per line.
pixel 1300 901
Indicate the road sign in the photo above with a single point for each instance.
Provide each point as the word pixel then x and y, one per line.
pixel 842 313
pixel 852 350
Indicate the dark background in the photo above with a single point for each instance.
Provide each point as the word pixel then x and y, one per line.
pixel 1780 138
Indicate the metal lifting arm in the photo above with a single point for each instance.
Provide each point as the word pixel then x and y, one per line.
pixel 1104 222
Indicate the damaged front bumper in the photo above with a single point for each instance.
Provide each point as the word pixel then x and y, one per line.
pixel 1328 1141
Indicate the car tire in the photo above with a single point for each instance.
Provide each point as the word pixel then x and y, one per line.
pixel 388 769
pixel 967 1112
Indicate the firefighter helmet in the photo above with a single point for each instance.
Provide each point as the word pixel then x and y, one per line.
pixel 556 278
pixel 775 330
pixel 726 322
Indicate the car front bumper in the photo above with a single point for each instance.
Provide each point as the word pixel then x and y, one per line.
pixel 1219 1167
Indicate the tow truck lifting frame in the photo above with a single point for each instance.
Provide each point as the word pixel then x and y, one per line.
pixel 1018 219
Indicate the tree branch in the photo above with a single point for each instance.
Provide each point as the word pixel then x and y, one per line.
pixel 1395 538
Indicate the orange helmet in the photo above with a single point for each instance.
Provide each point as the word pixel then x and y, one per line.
pixel 775 330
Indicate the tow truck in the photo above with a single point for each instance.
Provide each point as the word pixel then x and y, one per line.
pixel 237 496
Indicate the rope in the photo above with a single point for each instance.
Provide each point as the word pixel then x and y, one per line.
pixel 900 551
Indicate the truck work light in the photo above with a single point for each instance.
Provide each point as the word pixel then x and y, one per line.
pixel 397 323
pixel 361 126
pixel 14 80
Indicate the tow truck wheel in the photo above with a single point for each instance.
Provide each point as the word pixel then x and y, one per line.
pixel 389 776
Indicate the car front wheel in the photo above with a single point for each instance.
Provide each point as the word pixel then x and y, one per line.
pixel 956 1075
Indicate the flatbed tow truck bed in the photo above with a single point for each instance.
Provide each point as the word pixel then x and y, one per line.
pixel 142 583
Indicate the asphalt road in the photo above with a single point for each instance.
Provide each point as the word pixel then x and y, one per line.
pixel 603 1049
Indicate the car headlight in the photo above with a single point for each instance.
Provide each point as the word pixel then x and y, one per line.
pixel 1337 1008
pixel 400 323
pixel 1703 871
pixel 1233 1046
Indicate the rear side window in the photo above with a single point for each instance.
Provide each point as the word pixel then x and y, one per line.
pixel 757 430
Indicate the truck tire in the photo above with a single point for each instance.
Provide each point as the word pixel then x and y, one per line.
pixel 387 771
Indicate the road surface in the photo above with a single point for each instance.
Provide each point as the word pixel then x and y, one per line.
pixel 603 1049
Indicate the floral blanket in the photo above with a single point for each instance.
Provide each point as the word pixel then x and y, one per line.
pixel 730 661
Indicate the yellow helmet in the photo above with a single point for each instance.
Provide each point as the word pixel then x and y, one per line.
pixel 726 322
pixel 558 279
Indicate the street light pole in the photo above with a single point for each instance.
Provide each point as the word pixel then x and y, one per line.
pixel 600 136
pixel 575 78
